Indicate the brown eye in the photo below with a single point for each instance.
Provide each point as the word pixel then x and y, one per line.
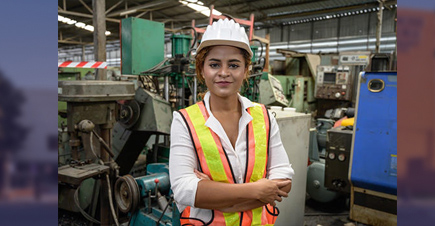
pixel 214 65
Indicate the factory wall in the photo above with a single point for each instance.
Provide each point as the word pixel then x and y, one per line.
pixel 348 33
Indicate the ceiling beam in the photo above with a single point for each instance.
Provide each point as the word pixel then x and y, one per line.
pixel 236 5
pixel 86 6
pixel 73 42
pixel 310 13
pixel 245 10
pixel 85 15
pixel 172 6
pixel 141 14
pixel 136 8
pixel 114 6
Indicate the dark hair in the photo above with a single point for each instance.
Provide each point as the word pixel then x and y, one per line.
pixel 200 59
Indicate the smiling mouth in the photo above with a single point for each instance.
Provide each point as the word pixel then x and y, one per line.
pixel 223 84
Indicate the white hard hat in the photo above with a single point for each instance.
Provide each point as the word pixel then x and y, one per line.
pixel 225 32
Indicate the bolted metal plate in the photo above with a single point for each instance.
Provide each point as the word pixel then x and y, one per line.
pixel 75 175
pixel 95 91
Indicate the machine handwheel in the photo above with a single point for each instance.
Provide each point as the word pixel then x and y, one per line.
pixel 129 114
pixel 126 193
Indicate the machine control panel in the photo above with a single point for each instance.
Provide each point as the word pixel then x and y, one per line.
pixel 333 82
pixel 355 59
pixel 338 147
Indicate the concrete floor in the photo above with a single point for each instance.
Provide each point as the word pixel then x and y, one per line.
pixel 335 213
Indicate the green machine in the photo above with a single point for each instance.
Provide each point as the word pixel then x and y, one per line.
pixel 142 45
pixel 299 90
pixel 271 91
pixel 299 79
pixel 250 88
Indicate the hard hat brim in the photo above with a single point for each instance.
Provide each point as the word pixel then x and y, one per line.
pixel 219 42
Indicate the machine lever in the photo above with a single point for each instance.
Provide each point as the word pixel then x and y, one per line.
pixel 106 147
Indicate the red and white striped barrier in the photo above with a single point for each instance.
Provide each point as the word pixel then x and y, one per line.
pixel 83 64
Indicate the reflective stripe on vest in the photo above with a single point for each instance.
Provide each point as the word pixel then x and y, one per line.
pixel 214 161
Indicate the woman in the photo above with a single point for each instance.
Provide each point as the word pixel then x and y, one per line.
pixel 227 163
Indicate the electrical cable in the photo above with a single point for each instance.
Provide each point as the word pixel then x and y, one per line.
pixel 77 202
pixel 163 213
pixel 195 34
pixel 108 186
pixel 261 53
pixel 115 218
pixel 157 66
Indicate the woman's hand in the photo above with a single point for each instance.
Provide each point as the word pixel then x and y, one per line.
pixel 267 191
pixel 200 175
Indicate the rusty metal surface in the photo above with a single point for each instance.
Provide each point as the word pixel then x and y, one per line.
pixel 95 91
pixel 97 112
pixel 75 175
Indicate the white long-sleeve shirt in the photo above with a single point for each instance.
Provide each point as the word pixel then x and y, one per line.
pixel 183 161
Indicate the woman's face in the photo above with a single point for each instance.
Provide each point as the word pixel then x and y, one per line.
pixel 224 70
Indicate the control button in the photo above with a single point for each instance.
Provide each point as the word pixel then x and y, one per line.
pixel 343 93
pixel 337 95
pixel 341 157
pixel 331 155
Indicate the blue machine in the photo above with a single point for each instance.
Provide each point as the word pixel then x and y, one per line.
pixel 374 161
pixel 148 200
pixel 373 166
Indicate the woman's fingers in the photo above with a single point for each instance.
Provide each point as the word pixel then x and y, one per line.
pixel 201 175
pixel 282 193
pixel 281 184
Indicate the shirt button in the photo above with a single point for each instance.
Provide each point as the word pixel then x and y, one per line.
pixel 240 178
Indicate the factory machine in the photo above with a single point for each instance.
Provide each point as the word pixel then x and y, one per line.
pixel 333 82
pixel 336 85
pixel 298 78
pixel 373 164
pixel 335 92
pixel 108 126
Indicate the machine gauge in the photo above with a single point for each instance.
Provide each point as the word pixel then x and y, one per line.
pixel 331 155
pixel 341 157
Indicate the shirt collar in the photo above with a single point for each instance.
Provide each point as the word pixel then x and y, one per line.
pixel 245 103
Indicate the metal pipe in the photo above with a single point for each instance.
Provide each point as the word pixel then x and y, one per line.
pixel 195 89
pixel 156 147
pixel 105 213
pixel 379 26
pixel 99 22
pixel 183 93
pixel 74 146
pixel 167 88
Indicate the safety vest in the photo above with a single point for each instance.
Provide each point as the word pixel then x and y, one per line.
pixel 214 162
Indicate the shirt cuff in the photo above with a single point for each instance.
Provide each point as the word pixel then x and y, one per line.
pixel 187 193
pixel 281 173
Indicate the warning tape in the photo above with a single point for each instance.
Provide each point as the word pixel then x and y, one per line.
pixel 83 64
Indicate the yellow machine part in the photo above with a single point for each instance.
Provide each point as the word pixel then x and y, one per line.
pixel 348 122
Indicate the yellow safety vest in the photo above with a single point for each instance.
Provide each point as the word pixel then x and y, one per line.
pixel 214 162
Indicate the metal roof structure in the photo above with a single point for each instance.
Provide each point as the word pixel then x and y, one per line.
pixel 174 14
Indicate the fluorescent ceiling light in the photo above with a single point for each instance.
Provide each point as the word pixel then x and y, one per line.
pixel 81 25
pixel 199 7
pixel 78 24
